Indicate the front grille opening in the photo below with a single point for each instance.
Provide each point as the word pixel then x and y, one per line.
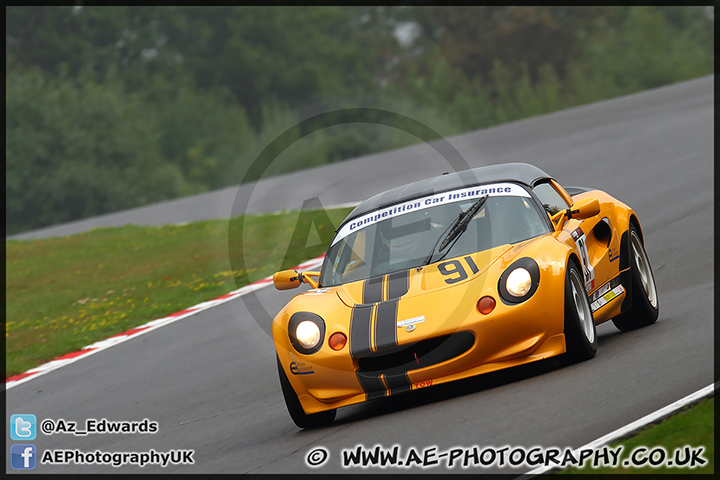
pixel 417 355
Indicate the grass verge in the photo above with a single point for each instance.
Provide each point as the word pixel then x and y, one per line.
pixel 67 292
pixel 690 429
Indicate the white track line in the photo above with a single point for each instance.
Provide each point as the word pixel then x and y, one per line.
pixel 101 345
pixel 632 427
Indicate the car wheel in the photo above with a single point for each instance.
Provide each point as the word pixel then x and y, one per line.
pixel 580 332
pixel 296 411
pixel 645 307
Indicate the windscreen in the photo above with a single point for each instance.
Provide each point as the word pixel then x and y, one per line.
pixel 402 236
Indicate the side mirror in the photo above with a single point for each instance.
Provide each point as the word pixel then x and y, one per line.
pixel 586 208
pixel 287 279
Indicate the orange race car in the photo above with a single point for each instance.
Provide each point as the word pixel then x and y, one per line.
pixel 455 276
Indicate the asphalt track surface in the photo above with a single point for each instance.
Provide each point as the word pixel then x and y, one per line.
pixel 210 381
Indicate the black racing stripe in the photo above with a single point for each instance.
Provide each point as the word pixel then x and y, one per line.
pixel 372 385
pixel 398 284
pixel 372 292
pixel 398 382
pixel 360 331
pixel 386 325
pixel 375 289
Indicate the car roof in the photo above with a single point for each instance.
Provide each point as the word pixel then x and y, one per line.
pixel 514 172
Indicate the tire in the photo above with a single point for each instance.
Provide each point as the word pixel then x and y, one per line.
pixel 645 307
pixel 296 411
pixel 580 333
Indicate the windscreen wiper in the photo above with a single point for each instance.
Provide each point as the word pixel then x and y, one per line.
pixel 456 229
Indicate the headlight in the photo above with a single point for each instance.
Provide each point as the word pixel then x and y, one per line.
pixel 518 282
pixel 307 334
pixel 306 331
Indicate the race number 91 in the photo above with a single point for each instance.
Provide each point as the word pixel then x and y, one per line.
pixel 455 271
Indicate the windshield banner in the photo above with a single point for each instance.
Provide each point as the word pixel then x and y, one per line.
pixel 451 196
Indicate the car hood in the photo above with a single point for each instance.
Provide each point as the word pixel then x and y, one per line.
pixel 430 278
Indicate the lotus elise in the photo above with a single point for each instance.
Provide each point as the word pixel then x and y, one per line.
pixel 455 276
